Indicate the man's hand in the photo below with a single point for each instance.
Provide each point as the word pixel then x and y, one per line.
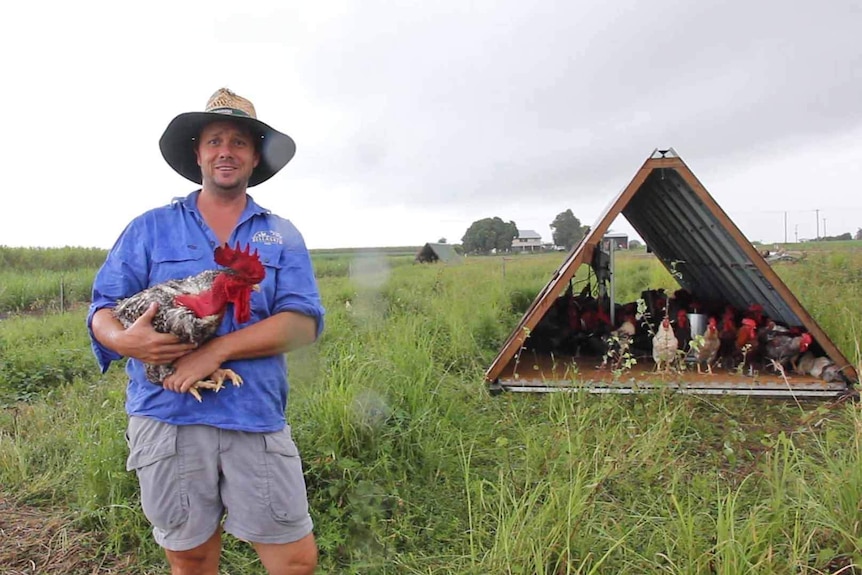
pixel 140 340
pixel 192 368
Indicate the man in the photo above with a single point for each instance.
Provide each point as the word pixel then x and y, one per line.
pixel 231 455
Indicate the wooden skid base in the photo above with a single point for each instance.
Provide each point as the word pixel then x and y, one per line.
pixel 543 373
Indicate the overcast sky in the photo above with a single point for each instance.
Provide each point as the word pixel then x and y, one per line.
pixel 414 119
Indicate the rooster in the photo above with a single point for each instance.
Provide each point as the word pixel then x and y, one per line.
pixel 707 350
pixel 783 348
pixel 664 346
pixel 193 308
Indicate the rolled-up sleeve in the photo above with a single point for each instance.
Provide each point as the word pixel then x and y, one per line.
pixel 297 289
pixel 124 273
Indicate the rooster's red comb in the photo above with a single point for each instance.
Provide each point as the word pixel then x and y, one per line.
pixel 243 262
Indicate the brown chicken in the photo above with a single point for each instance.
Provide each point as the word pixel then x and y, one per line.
pixel 664 346
pixel 193 308
pixel 707 350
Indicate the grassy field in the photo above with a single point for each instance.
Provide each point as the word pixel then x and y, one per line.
pixel 413 468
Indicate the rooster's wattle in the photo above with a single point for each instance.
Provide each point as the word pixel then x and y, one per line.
pixel 193 308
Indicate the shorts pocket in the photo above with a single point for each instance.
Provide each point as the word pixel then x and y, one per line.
pixel 285 486
pixel 155 461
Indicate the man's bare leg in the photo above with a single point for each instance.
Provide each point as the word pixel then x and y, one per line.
pixel 296 558
pixel 202 560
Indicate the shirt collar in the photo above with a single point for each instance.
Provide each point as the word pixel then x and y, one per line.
pixel 190 203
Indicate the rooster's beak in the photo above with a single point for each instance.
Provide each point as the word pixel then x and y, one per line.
pixel 256 287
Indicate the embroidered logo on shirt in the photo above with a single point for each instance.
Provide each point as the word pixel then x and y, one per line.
pixel 268 238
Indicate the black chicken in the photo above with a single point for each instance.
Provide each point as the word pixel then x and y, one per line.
pixel 784 348
pixel 193 308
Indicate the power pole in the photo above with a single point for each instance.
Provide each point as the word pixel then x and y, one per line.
pixel 817 221
pixel 824 228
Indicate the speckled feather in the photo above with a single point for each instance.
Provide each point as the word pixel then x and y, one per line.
pixel 171 317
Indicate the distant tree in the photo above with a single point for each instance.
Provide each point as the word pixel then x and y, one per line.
pixel 441 241
pixel 858 235
pixel 635 245
pixel 567 229
pixel 489 234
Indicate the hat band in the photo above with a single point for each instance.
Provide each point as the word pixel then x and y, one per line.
pixel 230 112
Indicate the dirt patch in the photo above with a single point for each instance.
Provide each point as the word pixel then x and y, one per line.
pixel 36 540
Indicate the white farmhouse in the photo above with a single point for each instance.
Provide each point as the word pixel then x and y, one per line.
pixel 527 241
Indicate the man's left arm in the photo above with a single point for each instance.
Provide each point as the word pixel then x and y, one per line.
pixel 280 333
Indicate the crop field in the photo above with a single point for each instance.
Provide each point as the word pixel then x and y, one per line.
pixel 413 468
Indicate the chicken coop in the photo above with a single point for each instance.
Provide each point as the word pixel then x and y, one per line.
pixel 730 300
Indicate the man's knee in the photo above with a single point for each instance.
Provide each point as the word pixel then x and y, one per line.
pixel 297 558
pixel 202 560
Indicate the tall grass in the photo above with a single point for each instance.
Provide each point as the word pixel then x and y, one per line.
pixel 50 259
pixel 44 291
pixel 413 468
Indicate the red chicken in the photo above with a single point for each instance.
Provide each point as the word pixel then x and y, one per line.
pixel 746 342
pixel 193 308
pixel 682 330
pixel 727 339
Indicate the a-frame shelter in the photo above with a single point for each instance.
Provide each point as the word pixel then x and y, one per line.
pixel 437 252
pixel 709 256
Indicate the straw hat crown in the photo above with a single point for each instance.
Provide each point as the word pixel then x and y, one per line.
pixel 224 99
pixel 178 141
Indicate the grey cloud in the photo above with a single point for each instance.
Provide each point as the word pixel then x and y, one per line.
pixel 471 104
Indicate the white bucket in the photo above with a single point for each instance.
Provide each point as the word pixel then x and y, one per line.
pixel 697 321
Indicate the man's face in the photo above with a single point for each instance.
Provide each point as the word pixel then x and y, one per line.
pixel 226 154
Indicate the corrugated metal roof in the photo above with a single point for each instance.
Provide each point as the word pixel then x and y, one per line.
pixel 690 237
pixel 695 239
pixel 529 234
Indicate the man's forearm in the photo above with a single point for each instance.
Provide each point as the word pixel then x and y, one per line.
pixel 281 333
pixel 108 330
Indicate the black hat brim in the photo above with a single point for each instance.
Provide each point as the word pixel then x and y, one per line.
pixel 179 139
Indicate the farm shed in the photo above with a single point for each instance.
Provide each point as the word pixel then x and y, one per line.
pixel 711 260
pixel 431 253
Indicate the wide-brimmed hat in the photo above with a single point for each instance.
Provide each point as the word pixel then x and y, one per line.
pixel 180 137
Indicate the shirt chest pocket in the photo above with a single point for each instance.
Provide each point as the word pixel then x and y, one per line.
pixel 170 263
pixel 264 298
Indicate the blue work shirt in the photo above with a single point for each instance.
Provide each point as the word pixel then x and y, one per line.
pixel 174 242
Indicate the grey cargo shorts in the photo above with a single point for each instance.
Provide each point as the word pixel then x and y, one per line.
pixel 193 476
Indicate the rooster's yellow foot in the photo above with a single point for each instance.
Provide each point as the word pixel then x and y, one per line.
pixel 219 376
pixel 216 382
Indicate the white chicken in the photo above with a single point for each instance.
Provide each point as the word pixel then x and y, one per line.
pixel 664 346
pixel 617 344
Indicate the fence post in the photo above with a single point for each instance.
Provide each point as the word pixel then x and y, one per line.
pixel 62 295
